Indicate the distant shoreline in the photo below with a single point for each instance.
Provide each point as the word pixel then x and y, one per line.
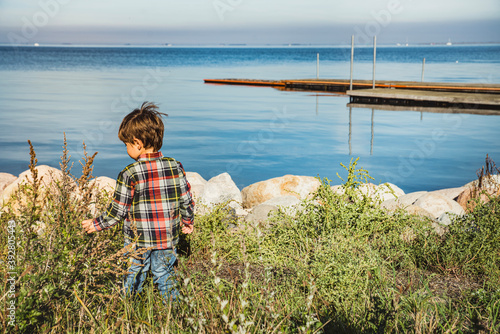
pixel 244 45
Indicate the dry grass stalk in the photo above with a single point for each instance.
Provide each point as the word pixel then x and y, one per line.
pixel 487 186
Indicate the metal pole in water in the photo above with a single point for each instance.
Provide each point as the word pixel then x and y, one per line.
pixel 352 60
pixel 350 130
pixel 423 69
pixel 374 58
pixel 317 66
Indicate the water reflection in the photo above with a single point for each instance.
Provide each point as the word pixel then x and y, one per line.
pixel 422 110
pixel 350 130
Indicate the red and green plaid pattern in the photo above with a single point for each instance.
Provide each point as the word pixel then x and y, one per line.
pixel 156 193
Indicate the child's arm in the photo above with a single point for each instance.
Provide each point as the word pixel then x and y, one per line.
pixel 117 210
pixel 186 203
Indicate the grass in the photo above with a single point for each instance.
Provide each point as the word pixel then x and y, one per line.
pixel 342 265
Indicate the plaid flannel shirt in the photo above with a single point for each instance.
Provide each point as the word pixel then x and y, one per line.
pixel 155 192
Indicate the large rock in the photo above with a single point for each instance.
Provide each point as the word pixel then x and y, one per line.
pixel 261 212
pixel 221 189
pixel 467 199
pixel 197 183
pixel 288 185
pixel 5 180
pixel 451 193
pixel 48 175
pixel 406 202
pixel 438 204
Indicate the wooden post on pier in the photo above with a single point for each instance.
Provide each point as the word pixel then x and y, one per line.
pixel 374 58
pixel 423 69
pixel 317 66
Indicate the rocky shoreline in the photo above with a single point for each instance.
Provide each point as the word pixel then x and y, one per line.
pixel 254 202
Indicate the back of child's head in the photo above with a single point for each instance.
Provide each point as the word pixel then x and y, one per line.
pixel 145 124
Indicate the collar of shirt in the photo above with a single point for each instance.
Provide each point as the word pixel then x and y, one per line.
pixel 150 156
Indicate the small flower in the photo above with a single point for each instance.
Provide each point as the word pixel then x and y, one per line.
pixel 186 281
pixel 223 304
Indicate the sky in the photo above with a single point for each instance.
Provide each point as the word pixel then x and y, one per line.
pixel 248 21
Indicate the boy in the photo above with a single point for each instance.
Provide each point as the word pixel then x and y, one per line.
pixel 155 194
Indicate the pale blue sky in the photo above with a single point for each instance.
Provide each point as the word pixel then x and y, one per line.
pixel 248 21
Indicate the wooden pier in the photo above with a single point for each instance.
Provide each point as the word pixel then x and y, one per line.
pixel 342 85
pixel 422 98
pixel 463 96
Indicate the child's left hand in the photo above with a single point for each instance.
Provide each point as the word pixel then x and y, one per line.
pixel 88 226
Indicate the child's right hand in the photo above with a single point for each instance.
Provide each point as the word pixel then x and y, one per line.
pixel 88 226
pixel 187 229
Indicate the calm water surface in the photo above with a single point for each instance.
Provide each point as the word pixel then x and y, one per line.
pixel 253 133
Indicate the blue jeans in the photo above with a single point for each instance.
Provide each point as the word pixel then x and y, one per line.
pixel 161 262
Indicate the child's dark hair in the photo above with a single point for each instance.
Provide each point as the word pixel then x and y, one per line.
pixel 145 124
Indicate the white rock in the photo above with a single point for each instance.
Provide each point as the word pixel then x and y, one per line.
pixel 438 204
pixel 446 219
pixel 381 192
pixel 338 189
pixel 387 191
pixel 197 183
pixel 367 189
pixel 402 201
pixel 220 189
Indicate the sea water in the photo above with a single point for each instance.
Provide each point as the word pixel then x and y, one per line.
pixel 253 133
